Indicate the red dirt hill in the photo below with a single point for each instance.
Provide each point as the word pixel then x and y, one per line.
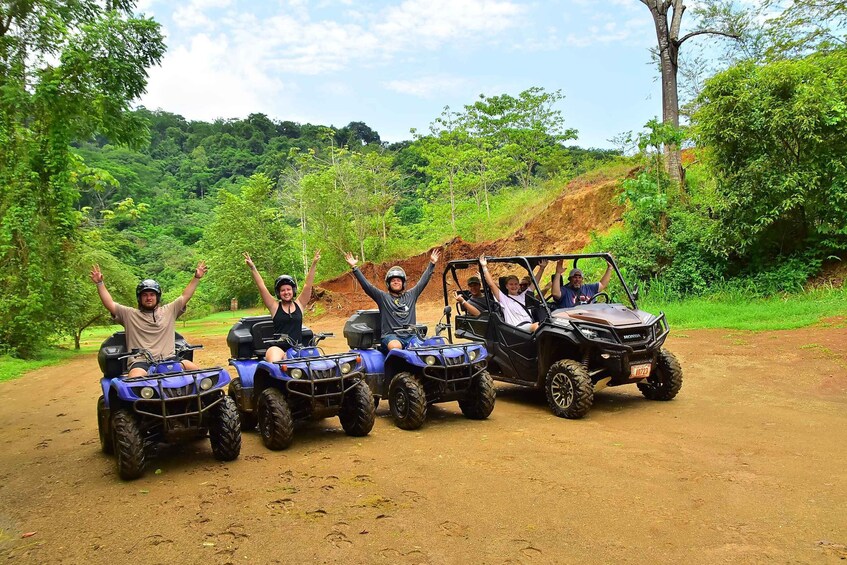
pixel 585 206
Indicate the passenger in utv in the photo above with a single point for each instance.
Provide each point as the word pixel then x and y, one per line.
pixel 150 326
pixel 287 313
pixel 514 306
pixel 576 291
pixel 475 304
pixel 397 306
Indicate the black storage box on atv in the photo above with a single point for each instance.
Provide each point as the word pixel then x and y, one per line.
pixel 362 329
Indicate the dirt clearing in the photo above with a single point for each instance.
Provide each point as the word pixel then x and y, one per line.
pixel 747 465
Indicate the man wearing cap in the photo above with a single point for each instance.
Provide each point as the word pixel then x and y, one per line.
pixel 576 291
pixel 475 304
pixel 150 326
pixel 397 306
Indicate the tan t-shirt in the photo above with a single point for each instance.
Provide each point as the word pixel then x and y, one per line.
pixel 153 331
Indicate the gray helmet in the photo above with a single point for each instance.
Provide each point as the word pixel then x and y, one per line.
pixel 395 272
pixel 283 280
pixel 148 284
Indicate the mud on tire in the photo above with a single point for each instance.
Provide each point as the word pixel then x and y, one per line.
pixel 357 412
pixel 107 445
pixel 665 381
pixel 275 422
pixel 569 390
pixel 407 401
pixel 236 391
pixel 479 402
pixel 128 444
pixel 225 430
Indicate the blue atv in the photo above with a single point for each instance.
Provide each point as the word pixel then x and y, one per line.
pixel 307 385
pixel 427 372
pixel 168 405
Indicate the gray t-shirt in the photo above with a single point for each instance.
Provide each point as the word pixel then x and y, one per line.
pixel 395 311
pixel 153 331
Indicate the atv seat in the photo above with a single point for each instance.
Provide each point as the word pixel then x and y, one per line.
pixel 264 337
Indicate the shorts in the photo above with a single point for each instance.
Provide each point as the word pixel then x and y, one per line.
pixel 404 341
pixel 139 365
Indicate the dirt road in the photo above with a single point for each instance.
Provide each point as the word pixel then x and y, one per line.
pixel 747 465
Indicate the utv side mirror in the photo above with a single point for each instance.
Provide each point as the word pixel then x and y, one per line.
pixel 447 310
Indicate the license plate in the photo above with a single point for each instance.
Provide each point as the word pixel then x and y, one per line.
pixel 639 371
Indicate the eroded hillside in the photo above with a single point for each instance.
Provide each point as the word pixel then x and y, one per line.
pixel 586 205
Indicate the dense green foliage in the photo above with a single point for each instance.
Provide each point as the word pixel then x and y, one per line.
pixel 67 71
pixel 766 202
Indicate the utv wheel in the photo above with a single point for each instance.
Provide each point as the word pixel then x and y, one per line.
pixel 569 390
pixel 357 411
pixel 106 444
pixel 275 422
pixel 479 401
pixel 665 381
pixel 236 392
pixel 407 401
pixel 225 430
pixel 128 444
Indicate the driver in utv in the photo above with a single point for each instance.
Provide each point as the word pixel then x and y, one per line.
pixel 576 291
pixel 397 306
pixel 151 325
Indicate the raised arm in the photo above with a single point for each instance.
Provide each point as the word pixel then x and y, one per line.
pixel 604 280
pixel 105 297
pixel 199 273
pixel 306 293
pixel 483 264
pixel 556 288
pixel 427 274
pixel 539 270
pixel 266 295
pixel 369 289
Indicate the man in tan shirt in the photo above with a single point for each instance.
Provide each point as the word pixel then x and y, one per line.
pixel 151 326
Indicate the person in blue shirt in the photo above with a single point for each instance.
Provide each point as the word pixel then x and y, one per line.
pixel 576 291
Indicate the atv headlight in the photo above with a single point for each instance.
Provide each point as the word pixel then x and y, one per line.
pixel 146 392
pixel 296 373
pixel 206 383
pixel 429 360
pixel 346 367
pixel 473 354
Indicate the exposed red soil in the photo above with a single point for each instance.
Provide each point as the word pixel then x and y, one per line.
pixel 562 227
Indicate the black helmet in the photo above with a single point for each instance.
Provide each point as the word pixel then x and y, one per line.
pixel 148 284
pixel 285 279
pixel 395 272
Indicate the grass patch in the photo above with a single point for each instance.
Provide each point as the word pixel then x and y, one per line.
pixel 755 314
pixel 12 367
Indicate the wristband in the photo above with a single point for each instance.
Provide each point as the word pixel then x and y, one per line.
pixel 101 283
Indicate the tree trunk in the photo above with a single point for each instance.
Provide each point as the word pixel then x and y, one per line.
pixel 667 35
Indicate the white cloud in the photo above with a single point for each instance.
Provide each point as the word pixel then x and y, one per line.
pixel 427 86
pixel 206 80
pixel 193 14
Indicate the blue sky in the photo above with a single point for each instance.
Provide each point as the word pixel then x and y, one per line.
pixel 395 65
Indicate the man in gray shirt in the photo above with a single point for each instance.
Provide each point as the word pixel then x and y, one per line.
pixel 151 325
pixel 397 306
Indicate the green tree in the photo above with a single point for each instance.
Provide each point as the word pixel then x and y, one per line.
pixel 253 222
pixel 527 128
pixel 776 138
pixel 68 71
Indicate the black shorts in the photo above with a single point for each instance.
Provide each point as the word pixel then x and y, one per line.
pixel 140 365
